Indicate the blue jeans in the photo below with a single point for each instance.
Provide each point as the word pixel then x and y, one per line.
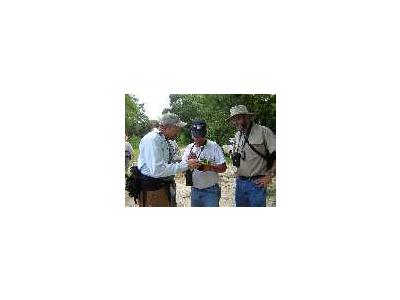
pixel 208 197
pixel 249 194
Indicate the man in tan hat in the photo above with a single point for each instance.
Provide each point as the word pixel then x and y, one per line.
pixel 255 168
pixel 156 166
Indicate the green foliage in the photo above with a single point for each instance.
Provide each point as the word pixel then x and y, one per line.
pixel 136 121
pixel 228 159
pixel 184 138
pixel 134 140
pixel 214 109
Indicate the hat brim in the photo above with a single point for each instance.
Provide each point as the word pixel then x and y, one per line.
pixel 248 113
pixel 198 133
pixel 180 124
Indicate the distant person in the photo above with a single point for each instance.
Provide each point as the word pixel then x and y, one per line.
pixel 205 189
pixel 255 168
pixel 128 152
pixel 176 152
pixel 156 166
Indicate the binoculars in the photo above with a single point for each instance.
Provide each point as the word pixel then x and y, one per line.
pixel 236 160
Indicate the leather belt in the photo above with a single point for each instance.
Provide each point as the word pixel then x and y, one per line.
pixel 251 177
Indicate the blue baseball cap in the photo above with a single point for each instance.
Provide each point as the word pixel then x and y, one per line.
pixel 198 128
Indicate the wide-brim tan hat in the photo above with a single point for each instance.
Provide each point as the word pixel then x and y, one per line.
pixel 239 110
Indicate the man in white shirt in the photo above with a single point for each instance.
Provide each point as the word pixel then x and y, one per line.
pixel 205 190
pixel 176 153
pixel 156 166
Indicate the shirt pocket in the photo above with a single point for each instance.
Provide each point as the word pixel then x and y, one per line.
pixel 258 143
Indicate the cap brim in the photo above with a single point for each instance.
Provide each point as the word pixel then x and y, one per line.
pixel 181 124
pixel 198 133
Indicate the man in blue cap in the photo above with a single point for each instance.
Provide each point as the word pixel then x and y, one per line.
pixel 205 179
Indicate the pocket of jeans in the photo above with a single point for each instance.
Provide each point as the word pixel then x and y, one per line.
pixel 254 184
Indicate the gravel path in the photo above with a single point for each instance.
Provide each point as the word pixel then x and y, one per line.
pixel 227 191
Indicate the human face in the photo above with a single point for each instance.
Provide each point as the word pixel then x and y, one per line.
pixel 171 132
pixel 199 140
pixel 241 122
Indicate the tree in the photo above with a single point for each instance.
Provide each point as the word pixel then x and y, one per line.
pixel 214 109
pixel 136 121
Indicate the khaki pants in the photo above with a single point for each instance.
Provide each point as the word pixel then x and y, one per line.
pixel 158 198
pixel 163 197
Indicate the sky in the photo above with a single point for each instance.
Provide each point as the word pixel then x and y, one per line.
pixel 154 103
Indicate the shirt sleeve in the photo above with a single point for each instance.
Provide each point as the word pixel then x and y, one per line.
pixel 270 138
pixel 219 155
pixel 155 163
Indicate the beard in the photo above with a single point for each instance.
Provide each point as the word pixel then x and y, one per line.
pixel 242 126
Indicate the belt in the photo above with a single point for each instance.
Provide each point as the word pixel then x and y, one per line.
pixel 152 184
pixel 251 177
pixel 214 185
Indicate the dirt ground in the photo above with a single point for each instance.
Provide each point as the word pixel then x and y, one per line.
pixel 227 182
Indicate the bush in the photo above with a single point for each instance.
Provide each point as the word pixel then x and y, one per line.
pixel 134 140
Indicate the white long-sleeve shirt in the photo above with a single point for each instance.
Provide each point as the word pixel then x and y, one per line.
pixel 155 157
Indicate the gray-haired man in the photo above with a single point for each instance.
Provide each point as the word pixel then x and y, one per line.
pixel 156 166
